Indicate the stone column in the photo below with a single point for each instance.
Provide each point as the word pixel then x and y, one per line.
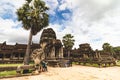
pixel 96 55
pixel 10 56
pixel 52 54
pixel 19 56
pixel 99 55
pixel 61 52
pixel 3 56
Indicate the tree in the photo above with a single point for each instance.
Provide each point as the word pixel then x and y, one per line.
pixel 34 18
pixel 116 49
pixel 108 48
pixel 68 43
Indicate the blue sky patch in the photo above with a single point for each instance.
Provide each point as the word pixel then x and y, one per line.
pixel 8 14
pixel 59 17
pixel 97 40
pixel 7 11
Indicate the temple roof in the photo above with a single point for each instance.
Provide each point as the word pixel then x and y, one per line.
pixel 48 33
pixel 20 46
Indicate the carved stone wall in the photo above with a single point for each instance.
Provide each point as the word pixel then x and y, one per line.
pixel 50 44
pixel 14 53
pixel 84 51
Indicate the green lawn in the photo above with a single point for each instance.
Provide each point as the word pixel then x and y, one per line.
pixel 7 73
pixel 19 64
pixel 4 65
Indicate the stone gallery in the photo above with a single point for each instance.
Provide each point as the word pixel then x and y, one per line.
pixel 48 42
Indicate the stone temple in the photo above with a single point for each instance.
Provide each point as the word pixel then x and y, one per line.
pixel 52 46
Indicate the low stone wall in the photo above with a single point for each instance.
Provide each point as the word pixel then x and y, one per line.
pixel 59 62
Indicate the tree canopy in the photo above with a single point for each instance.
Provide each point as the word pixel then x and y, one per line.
pixel 33 15
pixel 68 41
pixel 108 48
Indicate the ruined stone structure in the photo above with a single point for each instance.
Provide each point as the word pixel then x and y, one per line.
pixel 84 54
pixel 14 53
pixel 104 56
pixel 50 44
pixel 84 51
pixel 38 55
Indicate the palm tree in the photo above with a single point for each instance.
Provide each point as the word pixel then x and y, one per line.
pixel 108 48
pixel 68 43
pixel 34 18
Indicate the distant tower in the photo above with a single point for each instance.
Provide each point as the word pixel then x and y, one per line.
pixel 52 47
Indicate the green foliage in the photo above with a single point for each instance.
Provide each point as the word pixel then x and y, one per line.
pixel 68 41
pixel 108 48
pixel 116 49
pixel 8 73
pixel 118 63
pixel 33 15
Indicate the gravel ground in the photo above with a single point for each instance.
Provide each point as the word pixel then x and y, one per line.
pixel 75 72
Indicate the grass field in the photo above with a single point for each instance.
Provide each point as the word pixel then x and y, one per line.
pixel 4 65
pixel 9 73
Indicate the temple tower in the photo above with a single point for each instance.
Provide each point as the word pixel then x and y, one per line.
pixel 52 46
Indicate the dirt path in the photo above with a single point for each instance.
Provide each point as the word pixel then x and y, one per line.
pixel 76 73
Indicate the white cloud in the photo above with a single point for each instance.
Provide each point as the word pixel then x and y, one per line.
pixel 95 22
pixel 10 34
pixel 68 4
pixel 92 21
pixel 63 6
pixel 100 22
pixel 67 16
pixel 15 3
pixel 52 4
pixel 10 30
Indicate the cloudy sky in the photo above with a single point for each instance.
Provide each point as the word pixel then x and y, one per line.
pixel 90 21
